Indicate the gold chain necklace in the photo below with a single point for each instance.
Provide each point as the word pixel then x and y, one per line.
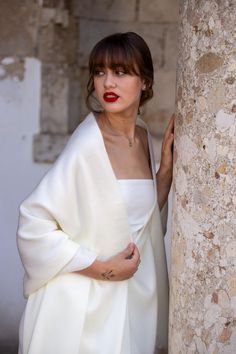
pixel 124 136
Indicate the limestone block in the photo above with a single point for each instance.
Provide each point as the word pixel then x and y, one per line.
pixel 92 31
pixel 47 147
pixel 56 15
pixel 159 11
pixel 47 15
pixel 12 67
pixel 74 99
pixel 84 74
pixel 50 3
pixel 57 44
pixel 18 27
pixel 118 10
pixel 54 106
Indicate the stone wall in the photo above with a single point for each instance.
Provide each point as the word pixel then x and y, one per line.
pixel 203 269
pixel 61 35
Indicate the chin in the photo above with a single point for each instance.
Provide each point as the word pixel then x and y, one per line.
pixel 119 110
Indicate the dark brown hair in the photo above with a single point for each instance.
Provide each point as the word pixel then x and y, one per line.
pixel 128 50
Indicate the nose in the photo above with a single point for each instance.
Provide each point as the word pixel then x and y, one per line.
pixel 109 80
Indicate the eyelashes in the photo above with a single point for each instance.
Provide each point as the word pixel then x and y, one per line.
pixel 118 71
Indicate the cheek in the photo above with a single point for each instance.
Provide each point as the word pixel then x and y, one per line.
pixel 97 91
pixel 136 90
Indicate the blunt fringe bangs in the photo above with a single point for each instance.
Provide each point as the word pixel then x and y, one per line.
pixel 128 50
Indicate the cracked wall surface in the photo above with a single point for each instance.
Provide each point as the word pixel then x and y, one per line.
pixel 203 269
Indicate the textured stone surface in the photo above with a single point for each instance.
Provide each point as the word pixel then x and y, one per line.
pixel 12 67
pixel 209 62
pixel 47 147
pixel 158 11
pixel 18 27
pixel 57 43
pixel 57 46
pixel 92 31
pixel 203 276
pixel 55 93
pixel 117 10
pixel 60 97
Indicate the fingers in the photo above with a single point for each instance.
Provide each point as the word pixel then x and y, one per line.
pixel 170 127
pixel 171 121
pixel 167 143
pixel 131 246
pixel 169 134
pixel 128 252
pixel 136 256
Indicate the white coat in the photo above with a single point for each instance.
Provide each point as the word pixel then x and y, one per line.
pixel 78 203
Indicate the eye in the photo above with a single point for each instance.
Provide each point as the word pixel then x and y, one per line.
pixel 99 72
pixel 120 71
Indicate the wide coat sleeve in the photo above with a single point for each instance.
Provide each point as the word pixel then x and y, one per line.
pixel 45 236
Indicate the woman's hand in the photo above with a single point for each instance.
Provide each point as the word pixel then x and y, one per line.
pixel 164 174
pixel 166 164
pixel 119 267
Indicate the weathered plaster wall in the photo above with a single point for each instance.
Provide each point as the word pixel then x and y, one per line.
pixel 203 277
pixel 19 121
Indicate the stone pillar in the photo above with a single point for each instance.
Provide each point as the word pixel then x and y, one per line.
pixel 203 270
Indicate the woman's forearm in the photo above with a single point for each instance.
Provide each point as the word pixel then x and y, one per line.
pixel 164 180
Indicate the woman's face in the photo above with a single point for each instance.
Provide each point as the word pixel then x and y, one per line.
pixel 116 90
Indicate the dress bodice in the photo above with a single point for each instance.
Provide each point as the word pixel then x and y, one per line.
pixel 138 196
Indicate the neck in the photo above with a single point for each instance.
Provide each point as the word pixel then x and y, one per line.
pixel 120 123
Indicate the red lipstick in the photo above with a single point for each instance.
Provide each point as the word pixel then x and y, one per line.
pixel 110 97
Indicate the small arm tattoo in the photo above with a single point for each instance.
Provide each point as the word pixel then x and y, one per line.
pixel 107 275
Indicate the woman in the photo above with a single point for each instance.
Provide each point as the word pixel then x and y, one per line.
pixel 90 234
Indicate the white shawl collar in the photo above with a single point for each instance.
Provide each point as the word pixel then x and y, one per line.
pixel 113 179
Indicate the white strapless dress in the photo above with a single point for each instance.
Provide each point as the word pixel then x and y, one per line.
pixel 139 330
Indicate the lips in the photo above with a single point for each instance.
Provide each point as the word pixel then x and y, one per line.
pixel 110 97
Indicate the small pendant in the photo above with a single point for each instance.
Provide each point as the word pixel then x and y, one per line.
pixel 130 144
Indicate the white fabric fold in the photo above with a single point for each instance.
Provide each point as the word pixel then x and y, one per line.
pixel 82 259
pixel 78 205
